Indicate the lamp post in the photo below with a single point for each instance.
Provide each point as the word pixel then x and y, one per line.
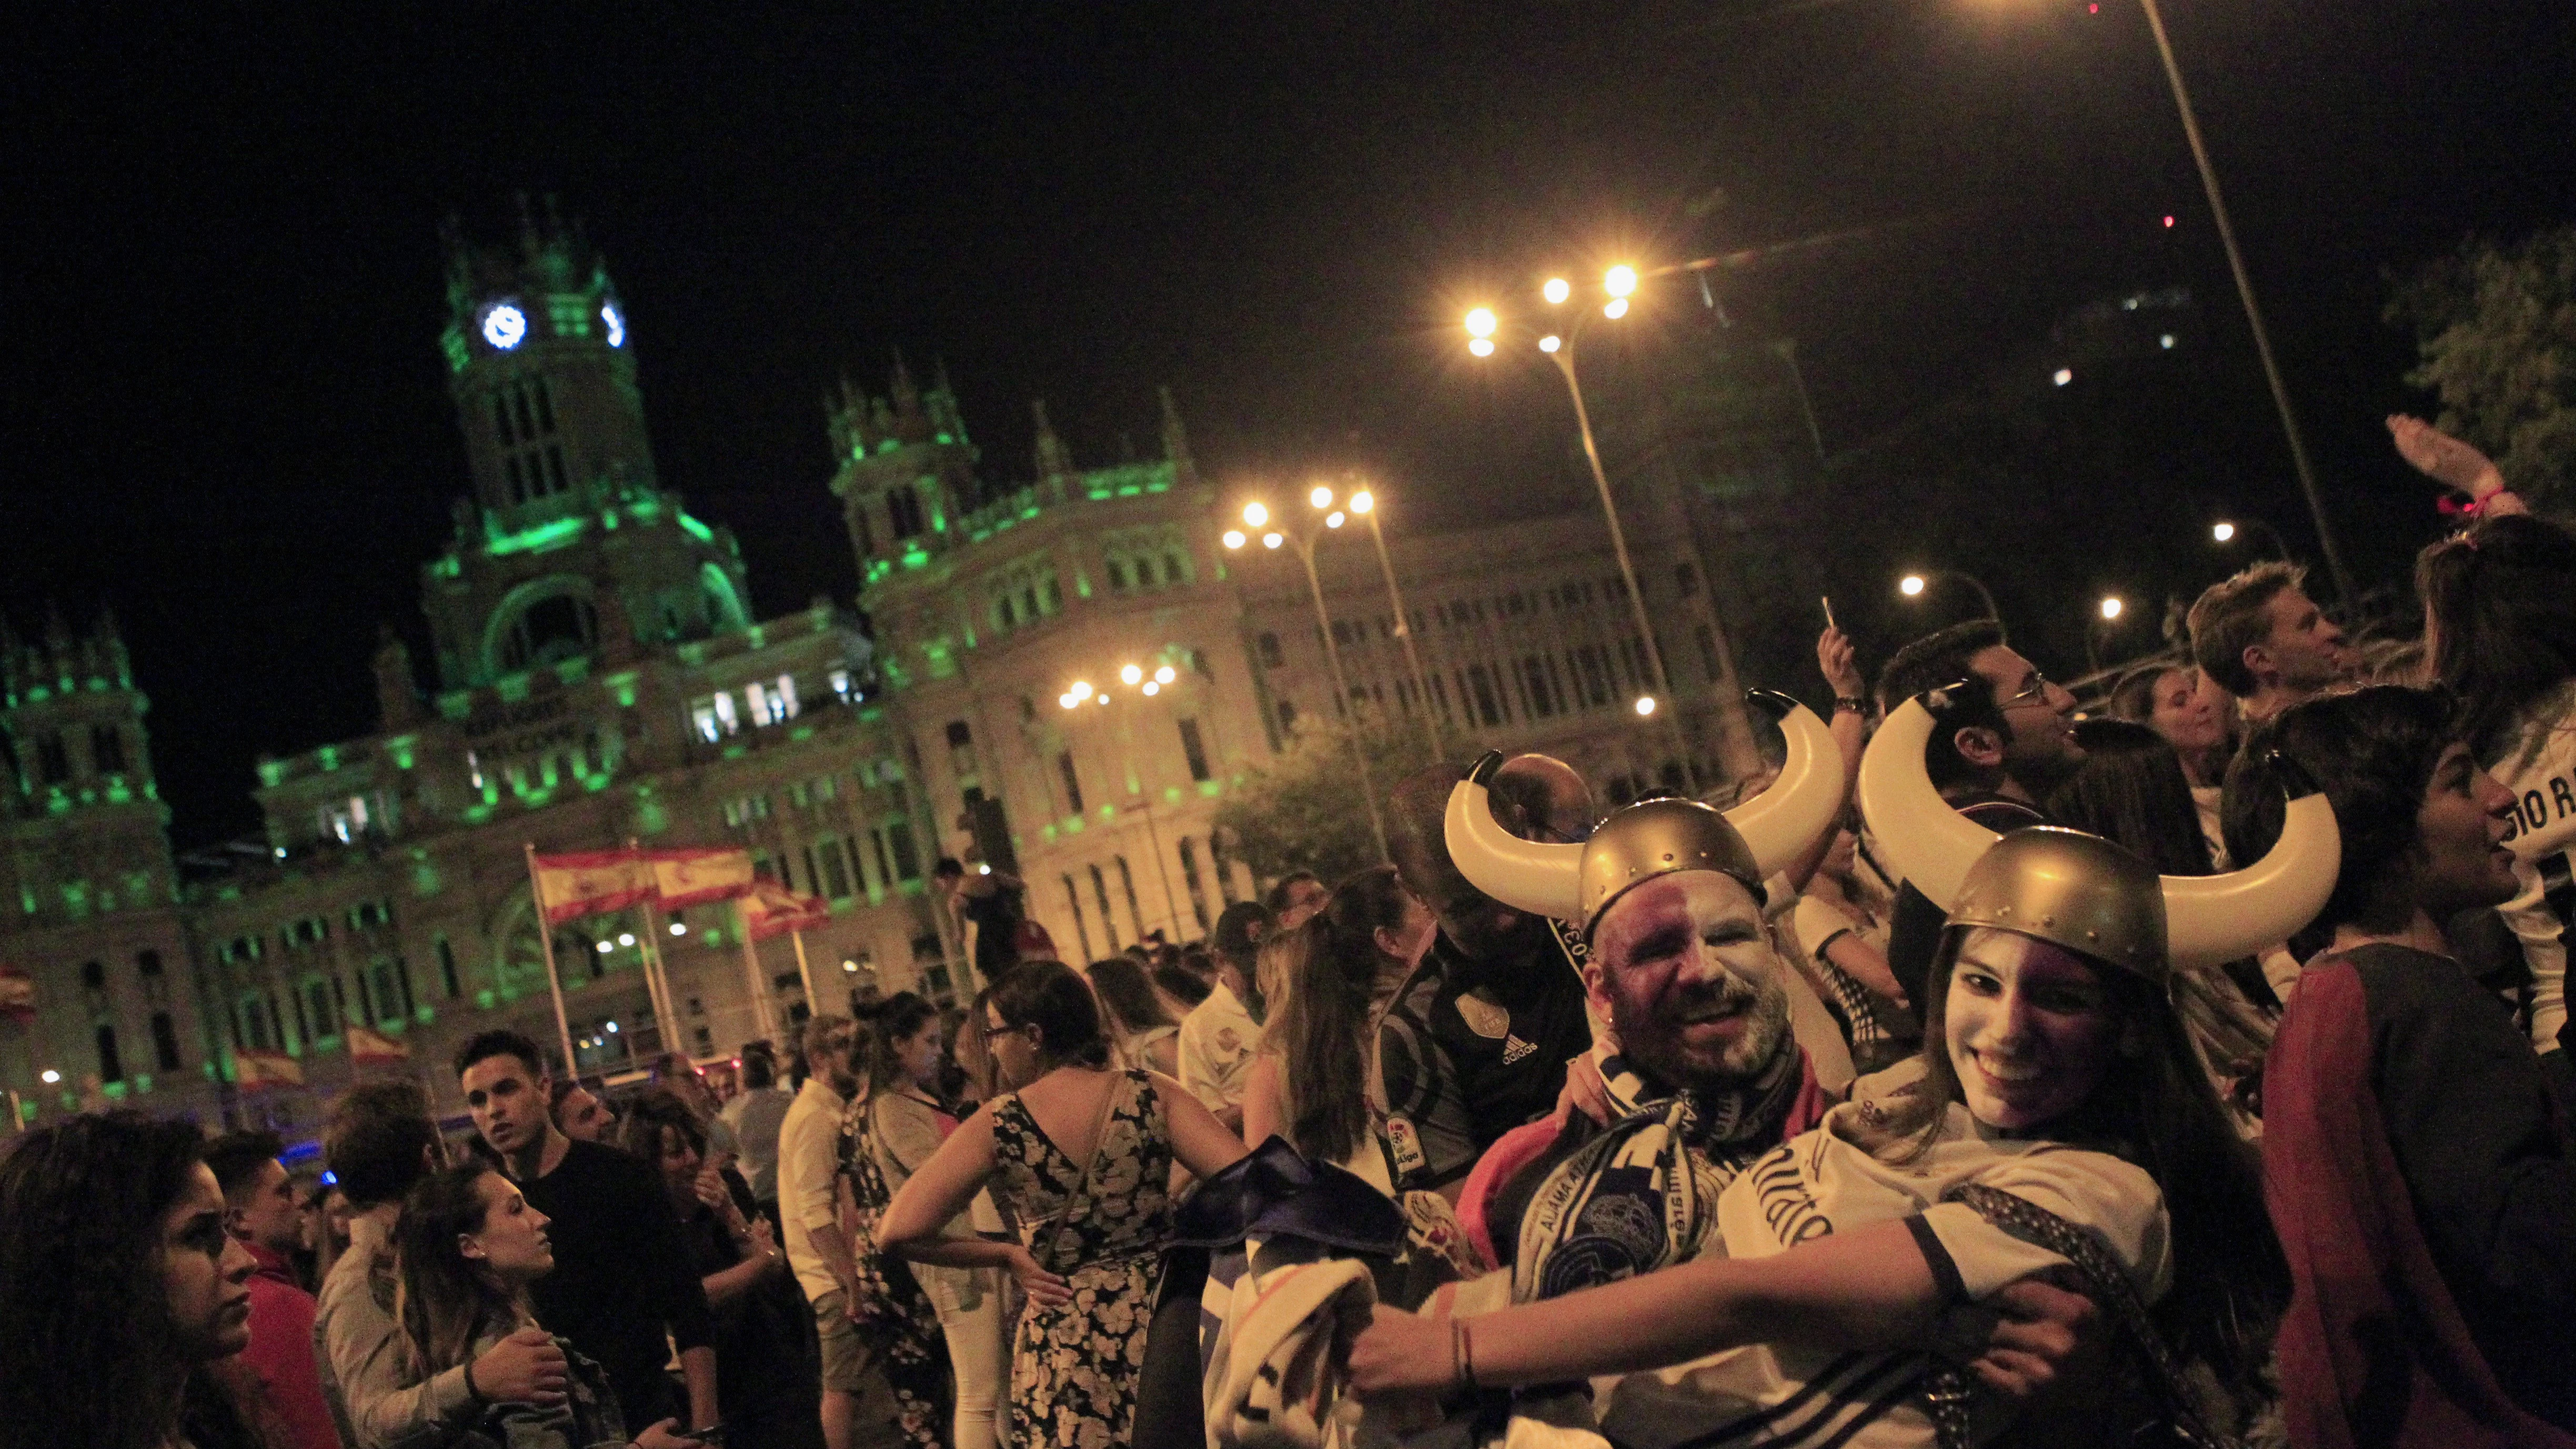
pixel 2227 531
pixel 1135 677
pixel 1363 503
pixel 1273 534
pixel 1915 586
pixel 2108 613
pixel 1619 285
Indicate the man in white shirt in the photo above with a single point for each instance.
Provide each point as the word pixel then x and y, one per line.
pixel 808 1142
pixel 1219 1035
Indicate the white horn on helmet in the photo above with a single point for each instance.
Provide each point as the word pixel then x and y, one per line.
pixel 1523 874
pixel 1781 823
pixel 1924 840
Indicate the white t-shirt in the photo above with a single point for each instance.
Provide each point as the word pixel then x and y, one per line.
pixel 2540 768
pixel 1217 1041
pixel 1819 1183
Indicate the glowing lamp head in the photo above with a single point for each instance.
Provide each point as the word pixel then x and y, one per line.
pixel 626 938
pixel 607 946
pixel 1067 701
pixel 615 321
pixel 504 326
pixel 1152 689
pixel 1322 497
pixel 1273 540
pixel 2111 608
pixel 1556 290
pixel 1910 586
pixel 1481 322
pixel 1481 346
pixel 1234 538
pixel 51 1076
pixel 2062 376
pixel 1645 704
pixel 1081 690
pixel 1363 501
pixel 1255 514
pixel 1130 675
pixel 1335 518
pixel 2222 531
pixel 1616 308
pixel 1620 280
pixel 1166 674
pixel 1550 343
pixel 678 930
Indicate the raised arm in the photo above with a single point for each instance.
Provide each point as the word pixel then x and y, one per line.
pixel 1867 1289
pixel 1850 731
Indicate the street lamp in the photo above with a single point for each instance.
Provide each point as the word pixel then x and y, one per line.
pixel 1619 285
pixel 1363 502
pixel 1257 514
pixel 2107 618
pixel 1135 677
pixel 2229 531
pixel 1914 586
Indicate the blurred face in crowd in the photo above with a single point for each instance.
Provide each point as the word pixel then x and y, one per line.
pixel 267 1216
pixel 2040 747
pixel 2461 859
pixel 508 1102
pixel 1014 1049
pixel 2187 714
pixel 917 1056
pixel 1305 898
pixel 1688 978
pixel 680 1163
pixel 2029 1027
pixel 583 1117
pixel 512 1242
pixel 838 1066
pixel 2305 648
pixel 1411 938
pixel 206 1272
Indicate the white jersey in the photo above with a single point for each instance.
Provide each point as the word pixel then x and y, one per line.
pixel 2539 766
pixel 1821 1183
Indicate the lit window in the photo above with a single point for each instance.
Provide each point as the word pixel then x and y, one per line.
pixel 703 715
pixel 784 697
pixel 758 699
pixel 840 681
pixel 724 713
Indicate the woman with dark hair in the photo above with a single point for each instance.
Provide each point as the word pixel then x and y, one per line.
pixel 2194 715
pixel 2416 1169
pixel 119 1288
pixel 1082 1154
pixel 1314 1080
pixel 897 1124
pixel 2500 630
pixel 465 1250
pixel 1141 1033
pixel 765 1375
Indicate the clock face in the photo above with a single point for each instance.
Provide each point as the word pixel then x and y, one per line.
pixel 504 326
pixel 615 321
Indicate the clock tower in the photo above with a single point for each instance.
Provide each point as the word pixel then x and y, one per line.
pixel 568 523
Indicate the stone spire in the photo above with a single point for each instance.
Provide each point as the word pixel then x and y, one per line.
pixel 1176 443
pixel 397 694
pixel 1055 460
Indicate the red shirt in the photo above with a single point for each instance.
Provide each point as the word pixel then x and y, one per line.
pixel 280 1355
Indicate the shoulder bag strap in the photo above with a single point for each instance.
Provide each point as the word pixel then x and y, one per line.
pixel 1099 1140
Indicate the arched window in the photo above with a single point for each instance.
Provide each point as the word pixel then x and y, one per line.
pixel 549 631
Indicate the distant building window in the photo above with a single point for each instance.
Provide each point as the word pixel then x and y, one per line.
pixel 836 869
pixel 903 511
pixel 1287 715
pixel 107 749
pixel 165 1043
pixel 447 968
pixel 1194 750
pixel 1271 657
pixel 111 1067
pixel 53 762
pixel 907 861
pixel 1072 781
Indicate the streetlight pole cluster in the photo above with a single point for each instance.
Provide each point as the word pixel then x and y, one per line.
pixel 1146 683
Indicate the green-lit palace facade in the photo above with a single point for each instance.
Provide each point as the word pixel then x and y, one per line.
pixel 600 677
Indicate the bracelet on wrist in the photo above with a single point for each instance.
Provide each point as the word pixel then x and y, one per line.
pixel 1852 702
pixel 472 1392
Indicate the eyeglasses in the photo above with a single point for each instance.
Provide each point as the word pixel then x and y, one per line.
pixel 2033 692
pixel 991 1031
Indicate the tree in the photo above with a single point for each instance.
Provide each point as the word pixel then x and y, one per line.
pixel 1304 811
pixel 2496 328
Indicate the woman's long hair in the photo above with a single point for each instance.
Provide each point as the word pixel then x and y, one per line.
pixel 1319 1025
pixel 1130 998
pixel 639 1127
pixel 2131 791
pixel 2500 617
pixel 896 1018
pixel 88 1352
pixel 2156 1108
pixel 1054 998
pixel 443 1299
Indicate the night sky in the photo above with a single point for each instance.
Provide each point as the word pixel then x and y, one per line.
pixel 225 412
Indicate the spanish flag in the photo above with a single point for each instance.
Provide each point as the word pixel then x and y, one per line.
pixel 259 1070
pixel 368 1045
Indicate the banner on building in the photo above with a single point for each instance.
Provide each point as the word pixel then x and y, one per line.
pixel 370 1046
pixel 695 877
pixel 771 909
pixel 586 883
pixel 17 995
pixel 258 1070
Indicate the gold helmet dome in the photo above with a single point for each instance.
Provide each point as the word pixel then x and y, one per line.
pixel 1652 837
pixel 2080 891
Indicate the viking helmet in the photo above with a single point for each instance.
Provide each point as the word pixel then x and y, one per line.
pixel 1651 837
pixel 2080 891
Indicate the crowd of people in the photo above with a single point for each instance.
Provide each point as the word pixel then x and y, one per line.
pixel 2190 1069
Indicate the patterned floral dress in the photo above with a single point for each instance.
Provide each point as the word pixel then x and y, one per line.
pixel 1074 1366
pixel 902 1332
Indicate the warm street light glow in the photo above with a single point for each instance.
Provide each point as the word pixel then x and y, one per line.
pixel 1481 346
pixel 1152 689
pixel 1081 690
pixel 678 930
pixel 1910 585
pixel 1322 497
pixel 1166 674
pixel 51 1076
pixel 1363 501
pixel 1617 309
pixel 1333 519
pixel 1556 290
pixel 2223 532
pixel 1130 675
pixel 2111 607
pixel 1482 322
pixel 1645 704
pixel 1273 540
pixel 1234 538
pixel 625 939
pixel 1550 343
pixel 1620 280
pixel 607 946
pixel 1255 514
pixel 1067 701
pixel 2062 376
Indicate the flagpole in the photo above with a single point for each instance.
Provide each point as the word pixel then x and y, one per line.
pixel 751 972
pixel 657 982
pixel 805 973
pixel 546 942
